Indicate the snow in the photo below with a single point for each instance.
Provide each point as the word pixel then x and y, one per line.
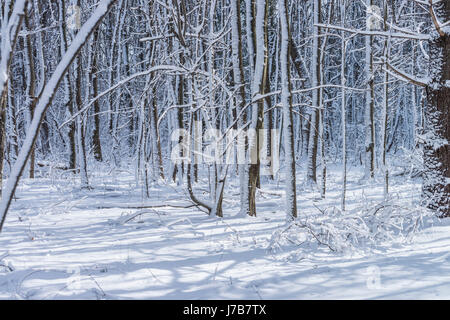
pixel 61 242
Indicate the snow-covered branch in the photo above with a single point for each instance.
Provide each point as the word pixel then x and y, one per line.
pixel 45 100
pixel 400 35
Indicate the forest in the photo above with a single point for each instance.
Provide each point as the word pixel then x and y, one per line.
pixel 263 149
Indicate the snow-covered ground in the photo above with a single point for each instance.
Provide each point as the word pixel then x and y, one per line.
pixel 60 242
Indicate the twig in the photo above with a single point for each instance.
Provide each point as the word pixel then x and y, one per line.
pixel 148 207
pixel 98 285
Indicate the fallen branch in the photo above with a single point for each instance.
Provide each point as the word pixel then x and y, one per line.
pixel 149 207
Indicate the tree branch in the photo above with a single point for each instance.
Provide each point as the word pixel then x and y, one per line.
pixel 408 78
pixel 436 23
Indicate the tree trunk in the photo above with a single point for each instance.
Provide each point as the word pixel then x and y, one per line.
pixel 68 93
pixel 286 101
pixel 97 147
pixel 436 187
pixel 238 78
pixel 343 109
pixel 311 175
pixel 369 147
pixel 80 127
pixel 257 107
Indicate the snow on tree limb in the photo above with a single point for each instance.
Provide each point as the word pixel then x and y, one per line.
pixel 44 102
pixel 401 35
pixel 435 20
pixel 406 77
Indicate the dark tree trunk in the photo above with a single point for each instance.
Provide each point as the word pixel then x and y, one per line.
pixel 69 93
pixel 155 135
pixel 436 187
pixel 31 85
pixel 254 168
pixel 97 148
pixel 2 137
pixel 180 123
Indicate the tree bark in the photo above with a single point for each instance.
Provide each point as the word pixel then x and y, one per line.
pixel 97 147
pixel 258 106
pixel 436 187
pixel 286 101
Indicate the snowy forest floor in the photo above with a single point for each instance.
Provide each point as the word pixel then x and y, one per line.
pixel 60 242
